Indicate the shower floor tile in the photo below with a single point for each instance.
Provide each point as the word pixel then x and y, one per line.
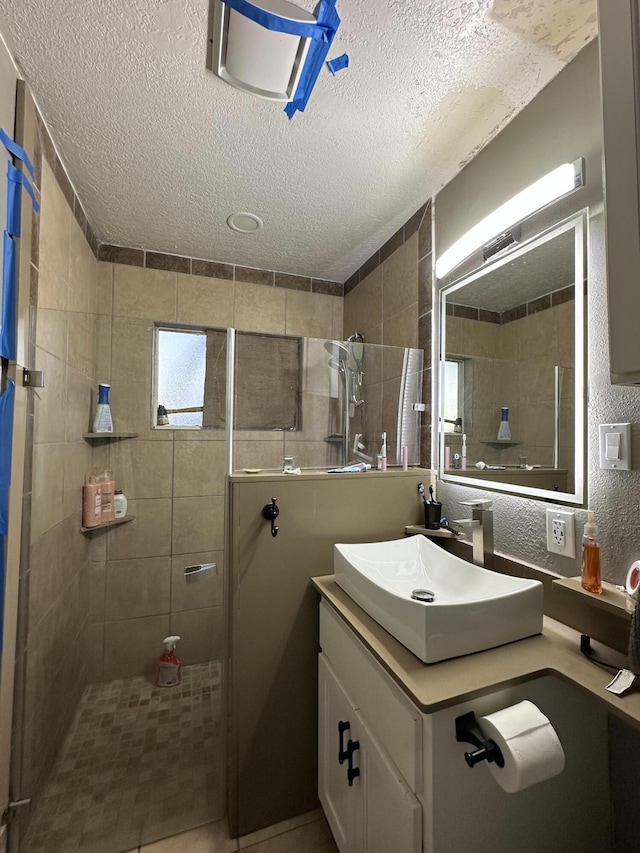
pixel 140 762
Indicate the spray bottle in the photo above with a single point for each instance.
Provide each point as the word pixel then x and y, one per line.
pixel 169 664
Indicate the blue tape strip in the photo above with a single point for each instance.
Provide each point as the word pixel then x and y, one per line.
pixel 14 202
pixel 16 151
pixel 316 55
pixel 273 22
pixel 6 435
pixel 18 177
pixel 8 310
pixel 338 63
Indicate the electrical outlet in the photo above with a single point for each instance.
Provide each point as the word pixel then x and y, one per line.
pixel 561 536
pixel 557 532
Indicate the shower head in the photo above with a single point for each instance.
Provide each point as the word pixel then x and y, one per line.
pixel 338 352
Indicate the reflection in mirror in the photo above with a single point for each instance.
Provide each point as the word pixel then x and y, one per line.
pixel 512 367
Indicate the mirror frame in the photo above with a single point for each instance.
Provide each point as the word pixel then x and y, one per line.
pixel 578 223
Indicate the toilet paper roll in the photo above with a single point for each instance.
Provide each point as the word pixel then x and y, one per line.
pixel 529 744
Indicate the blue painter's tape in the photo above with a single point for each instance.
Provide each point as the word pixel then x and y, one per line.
pixel 338 63
pixel 8 310
pixel 316 56
pixel 273 22
pixel 14 202
pixel 16 151
pixel 18 177
pixel 6 436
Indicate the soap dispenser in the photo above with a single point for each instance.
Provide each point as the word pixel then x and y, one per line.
pixel 591 577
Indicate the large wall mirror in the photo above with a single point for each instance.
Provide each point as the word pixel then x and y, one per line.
pixel 512 368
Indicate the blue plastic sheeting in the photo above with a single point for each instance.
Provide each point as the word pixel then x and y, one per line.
pixel 17 151
pixel 8 314
pixel 316 55
pixel 6 435
pixel 338 63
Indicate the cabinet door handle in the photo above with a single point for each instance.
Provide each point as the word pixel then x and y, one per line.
pixel 343 753
pixel 352 772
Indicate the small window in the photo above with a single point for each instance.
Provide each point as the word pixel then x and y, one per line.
pixel 180 376
pixel 191 376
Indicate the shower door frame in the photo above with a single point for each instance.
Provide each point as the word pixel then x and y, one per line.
pixel 10 692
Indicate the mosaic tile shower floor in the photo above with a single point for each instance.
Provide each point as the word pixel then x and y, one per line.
pixel 140 763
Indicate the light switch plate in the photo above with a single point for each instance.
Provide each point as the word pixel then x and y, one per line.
pixel 615 447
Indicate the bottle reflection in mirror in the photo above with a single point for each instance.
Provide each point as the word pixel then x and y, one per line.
pixel 504 431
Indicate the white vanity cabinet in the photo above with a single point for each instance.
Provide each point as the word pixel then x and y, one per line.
pixel 368 804
pixel 369 797
pixel 414 792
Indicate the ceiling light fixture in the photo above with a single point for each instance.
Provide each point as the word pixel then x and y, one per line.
pixel 245 223
pixel 558 183
pixel 271 48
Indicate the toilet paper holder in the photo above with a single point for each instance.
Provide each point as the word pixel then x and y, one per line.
pixel 468 731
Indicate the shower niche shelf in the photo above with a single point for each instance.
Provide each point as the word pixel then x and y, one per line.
pixel 499 442
pixel 109 436
pixel 114 523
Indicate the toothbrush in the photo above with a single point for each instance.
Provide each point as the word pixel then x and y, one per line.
pixel 422 493
pixel 433 500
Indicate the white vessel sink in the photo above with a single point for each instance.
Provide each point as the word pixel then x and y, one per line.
pixel 473 609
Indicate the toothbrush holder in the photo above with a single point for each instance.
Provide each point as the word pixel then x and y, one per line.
pixel 432 515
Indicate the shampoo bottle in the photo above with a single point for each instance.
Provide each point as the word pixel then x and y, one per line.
pixel 91 503
pixel 591 578
pixel 504 431
pixel 120 504
pixel 102 421
pixel 169 665
pixel 107 487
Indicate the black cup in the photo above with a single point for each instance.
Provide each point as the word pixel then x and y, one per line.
pixel 432 515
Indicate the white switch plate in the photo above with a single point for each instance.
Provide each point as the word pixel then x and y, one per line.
pixel 618 433
pixel 561 532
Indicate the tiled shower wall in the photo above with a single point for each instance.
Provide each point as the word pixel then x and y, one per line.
pixel 389 301
pixel 65 277
pixel 513 365
pixel 174 479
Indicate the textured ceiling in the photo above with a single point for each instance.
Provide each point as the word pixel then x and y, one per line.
pixel 161 151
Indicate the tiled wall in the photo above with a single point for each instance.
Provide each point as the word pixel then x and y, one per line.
pixel 174 479
pixel 65 278
pixel 389 300
pixel 513 365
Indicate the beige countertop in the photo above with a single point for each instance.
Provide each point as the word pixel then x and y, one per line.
pixel 434 686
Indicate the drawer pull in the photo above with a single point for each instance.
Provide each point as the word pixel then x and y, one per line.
pixel 352 772
pixel 343 753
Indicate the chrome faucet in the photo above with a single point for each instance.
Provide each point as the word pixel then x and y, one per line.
pixel 481 523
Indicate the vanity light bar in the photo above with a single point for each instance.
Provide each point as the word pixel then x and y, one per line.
pixel 550 188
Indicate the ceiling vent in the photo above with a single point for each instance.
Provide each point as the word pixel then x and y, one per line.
pixel 251 57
